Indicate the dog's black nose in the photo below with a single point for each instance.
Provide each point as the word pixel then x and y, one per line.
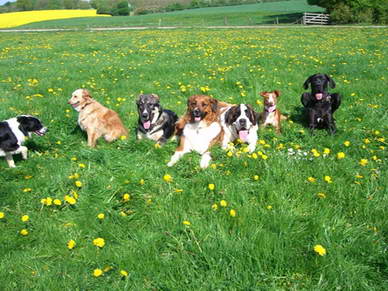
pixel 144 115
pixel 243 122
pixel 196 112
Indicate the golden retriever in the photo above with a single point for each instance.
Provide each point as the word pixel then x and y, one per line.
pixel 96 119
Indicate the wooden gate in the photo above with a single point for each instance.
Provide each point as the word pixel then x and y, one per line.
pixel 315 18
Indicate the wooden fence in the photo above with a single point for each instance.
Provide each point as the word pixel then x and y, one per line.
pixel 315 18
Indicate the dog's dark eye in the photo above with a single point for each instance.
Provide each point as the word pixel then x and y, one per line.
pixel 193 104
pixel 204 104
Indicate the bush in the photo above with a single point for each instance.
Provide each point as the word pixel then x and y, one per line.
pixel 341 14
pixel 174 7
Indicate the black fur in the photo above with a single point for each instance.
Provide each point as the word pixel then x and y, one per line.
pixel 320 112
pixel 8 141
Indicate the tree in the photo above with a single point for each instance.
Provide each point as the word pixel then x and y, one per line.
pixel 25 5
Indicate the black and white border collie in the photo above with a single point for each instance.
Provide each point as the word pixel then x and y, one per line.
pixel 240 121
pixel 13 133
pixel 154 122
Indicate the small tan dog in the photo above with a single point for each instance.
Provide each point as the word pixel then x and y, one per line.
pixel 96 119
pixel 271 115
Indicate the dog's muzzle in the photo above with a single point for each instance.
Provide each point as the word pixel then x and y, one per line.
pixel 197 114
pixel 41 131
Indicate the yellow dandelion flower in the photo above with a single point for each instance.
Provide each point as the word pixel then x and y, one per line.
pixel 27 190
pixel 123 137
pixel 229 154
pixel 157 146
pixel 78 183
pixel 254 156
pixel 99 242
pixel 81 165
pixel 25 218
pixel 223 203
pixel 71 244
pixel 57 202
pixel 74 158
pixel 363 162
pixel 24 232
pixel 347 143
pixel 123 273
pixel 328 179
pixel 264 157
pixel 70 200
pixel 311 179
pixel 211 187
pixel 27 177
pixel 126 197
pixel 215 206
pixel 43 201
pixel 256 177
pixel 340 155
pixel 326 151
pixel 97 272
pixel 122 213
pixel 167 178
pixel 366 140
pixel 49 201
pixel 269 207
pixel 232 213
pixel 320 250
pixel 141 182
pixel 2 215
pixel 101 216
pixel 321 195
pixel 186 222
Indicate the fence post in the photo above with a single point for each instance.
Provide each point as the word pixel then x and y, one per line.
pixel 225 20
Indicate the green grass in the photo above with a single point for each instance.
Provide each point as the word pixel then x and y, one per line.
pixel 253 14
pixel 280 218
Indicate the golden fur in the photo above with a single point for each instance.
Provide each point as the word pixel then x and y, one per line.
pixel 96 119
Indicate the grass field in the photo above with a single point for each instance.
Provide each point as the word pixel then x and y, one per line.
pixel 257 228
pixel 262 13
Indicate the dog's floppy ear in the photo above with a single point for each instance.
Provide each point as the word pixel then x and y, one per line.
pixel 307 82
pixel 156 97
pixel 86 94
pixel 277 93
pixel 331 81
pixel 264 93
pixel 214 104
pixel 230 115
pixel 253 116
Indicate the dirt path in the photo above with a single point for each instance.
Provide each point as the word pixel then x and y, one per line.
pixel 189 27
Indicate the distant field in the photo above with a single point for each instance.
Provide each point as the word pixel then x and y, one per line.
pixel 8 20
pixel 257 227
pixel 265 13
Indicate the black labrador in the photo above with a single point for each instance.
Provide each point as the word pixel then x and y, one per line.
pixel 320 105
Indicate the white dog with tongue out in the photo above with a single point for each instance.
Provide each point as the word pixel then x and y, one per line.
pixel 240 121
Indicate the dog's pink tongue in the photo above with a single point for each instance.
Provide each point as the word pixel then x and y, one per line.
pixel 243 135
pixel 197 118
pixel 319 96
pixel 147 124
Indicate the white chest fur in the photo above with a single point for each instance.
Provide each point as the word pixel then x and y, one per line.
pixel 198 136
pixel 270 118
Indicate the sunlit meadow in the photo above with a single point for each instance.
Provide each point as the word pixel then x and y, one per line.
pixel 304 212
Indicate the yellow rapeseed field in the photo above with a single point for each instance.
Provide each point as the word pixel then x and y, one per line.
pixel 13 19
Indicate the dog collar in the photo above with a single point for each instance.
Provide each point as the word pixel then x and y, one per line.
pixel 270 109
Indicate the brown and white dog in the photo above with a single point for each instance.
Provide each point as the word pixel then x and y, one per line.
pixel 96 119
pixel 240 121
pixel 199 129
pixel 271 115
